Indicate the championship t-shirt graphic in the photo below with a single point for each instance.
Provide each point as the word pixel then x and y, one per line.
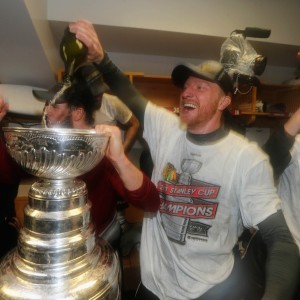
pixel 186 202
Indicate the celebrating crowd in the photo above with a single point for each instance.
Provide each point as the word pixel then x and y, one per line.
pixel 208 184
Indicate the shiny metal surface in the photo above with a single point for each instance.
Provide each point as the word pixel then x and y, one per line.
pixel 58 255
pixel 55 152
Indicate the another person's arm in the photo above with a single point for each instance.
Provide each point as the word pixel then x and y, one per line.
pixel 280 143
pixel 131 176
pixel 141 192
pixel 131 132
pixel 116 80
pixel 283 255
pixel 292 126
pixel 124 117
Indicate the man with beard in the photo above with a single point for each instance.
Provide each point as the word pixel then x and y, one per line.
pixel 103 109
pixel 113 178
pixel 110 180
pixel 212 182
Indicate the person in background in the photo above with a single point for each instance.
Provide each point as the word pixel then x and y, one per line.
pixel 111 111
pixel 283 148
pixel 115 177
pixel 114 112
pixel 10 177
pixel 280 143
pixel 211 181
pixel 76 108
pixel 284 153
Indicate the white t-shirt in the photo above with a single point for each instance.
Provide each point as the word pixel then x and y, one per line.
pixel 208 192
pixel 112 110
pixel 289 192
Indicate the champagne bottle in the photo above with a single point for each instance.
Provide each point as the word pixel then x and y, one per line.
pixel 73 53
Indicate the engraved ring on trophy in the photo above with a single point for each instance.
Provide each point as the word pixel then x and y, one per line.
pixel 58 255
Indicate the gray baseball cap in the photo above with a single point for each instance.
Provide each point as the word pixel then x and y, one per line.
pixel 210 70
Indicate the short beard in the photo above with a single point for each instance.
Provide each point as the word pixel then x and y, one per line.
pixel 65 123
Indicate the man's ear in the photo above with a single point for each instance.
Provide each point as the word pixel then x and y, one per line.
pixel 78 114
pixel 224 102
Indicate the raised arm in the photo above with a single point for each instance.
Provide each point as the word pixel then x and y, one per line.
pixel 280 143
pixel 282 263
pixel 292 126
pixel 141 192
pixel 130 175
pixel 113 76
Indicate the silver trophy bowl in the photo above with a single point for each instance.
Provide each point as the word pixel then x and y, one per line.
pixel 58 254
pixel 54 152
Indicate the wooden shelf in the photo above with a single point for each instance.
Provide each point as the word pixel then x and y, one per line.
pixel 270 114
pixel 244 106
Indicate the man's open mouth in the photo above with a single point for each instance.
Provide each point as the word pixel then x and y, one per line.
pixel 189 106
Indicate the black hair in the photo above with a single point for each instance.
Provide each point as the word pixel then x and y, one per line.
pixel 79 95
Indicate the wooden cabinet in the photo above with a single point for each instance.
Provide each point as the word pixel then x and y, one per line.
pixel 159 89
pixel 265 105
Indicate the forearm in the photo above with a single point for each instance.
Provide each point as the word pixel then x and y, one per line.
pixel 146 197
pixel 280 142
pixel 122 87
pixel 278 148
pixel 130 175
pixel 130 137
pixel 131 133
pixel 292 126
pixel 282 262
pixel 140 191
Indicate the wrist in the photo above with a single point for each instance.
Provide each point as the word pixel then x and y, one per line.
pixel 101 62
pixel 292 126
pixel 121 162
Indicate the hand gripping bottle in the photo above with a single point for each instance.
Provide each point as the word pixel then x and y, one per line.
pixel 73 53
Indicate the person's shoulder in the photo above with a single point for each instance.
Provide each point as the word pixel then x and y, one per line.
pixel 296 146
pixel 160 116
pixel 157 109
pixel 111 99
pixel 235 136
pixel 107 99
pixel 241 143
pixel 297 138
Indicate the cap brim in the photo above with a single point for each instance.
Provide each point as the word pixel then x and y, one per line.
pixel 42 95
pixel 182 72
pixel 48 95
pixel 210 72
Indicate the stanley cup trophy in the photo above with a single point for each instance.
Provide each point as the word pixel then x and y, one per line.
pixel 58 255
